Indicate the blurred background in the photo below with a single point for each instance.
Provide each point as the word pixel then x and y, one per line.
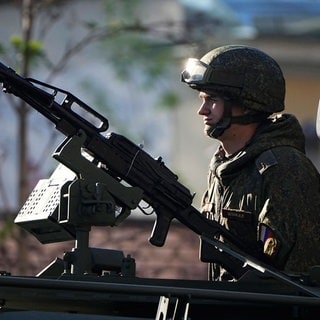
pixel 124 59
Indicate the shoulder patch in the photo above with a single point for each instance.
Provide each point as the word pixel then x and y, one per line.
pixel 270 242
pixel 265 160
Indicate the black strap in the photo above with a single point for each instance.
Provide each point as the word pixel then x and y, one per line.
pixel 250 118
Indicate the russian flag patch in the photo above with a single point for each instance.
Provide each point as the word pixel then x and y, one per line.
pixel 267 237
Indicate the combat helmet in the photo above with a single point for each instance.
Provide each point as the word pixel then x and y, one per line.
pixel 240 72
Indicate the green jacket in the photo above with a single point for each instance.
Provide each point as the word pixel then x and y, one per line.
pixel 268 195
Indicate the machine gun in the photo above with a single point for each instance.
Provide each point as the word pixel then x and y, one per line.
pixel 115 157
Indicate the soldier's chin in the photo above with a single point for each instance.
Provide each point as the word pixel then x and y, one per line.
pixel 214 132
pixel 208 130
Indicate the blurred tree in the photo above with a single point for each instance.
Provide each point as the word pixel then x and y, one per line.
pixel 126 36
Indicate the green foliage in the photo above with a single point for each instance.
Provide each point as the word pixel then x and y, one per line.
pixel 133 51
pixel 133 44
pixel 169 99
pixel 7 228
pixel 121 11
pixel 32 48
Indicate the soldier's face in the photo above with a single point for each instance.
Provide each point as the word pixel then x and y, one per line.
pixel 211 109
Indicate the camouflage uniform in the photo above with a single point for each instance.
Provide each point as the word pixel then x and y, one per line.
pixel 268 195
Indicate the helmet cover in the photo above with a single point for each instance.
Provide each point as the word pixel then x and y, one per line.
pixel 239 72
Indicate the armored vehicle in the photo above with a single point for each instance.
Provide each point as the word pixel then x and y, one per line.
pixel 100 179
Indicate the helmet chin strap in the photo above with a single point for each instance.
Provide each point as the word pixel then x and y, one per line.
pixel 215 131
pixel 218 129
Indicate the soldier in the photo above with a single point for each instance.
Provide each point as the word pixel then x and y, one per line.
pixel 261 185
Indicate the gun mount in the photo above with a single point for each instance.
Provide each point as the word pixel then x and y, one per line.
pixel 80 195
pixel 98 182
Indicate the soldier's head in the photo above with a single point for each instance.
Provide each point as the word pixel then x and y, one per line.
pixel 242 76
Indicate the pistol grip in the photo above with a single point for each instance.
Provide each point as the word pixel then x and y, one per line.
pixel 160 229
